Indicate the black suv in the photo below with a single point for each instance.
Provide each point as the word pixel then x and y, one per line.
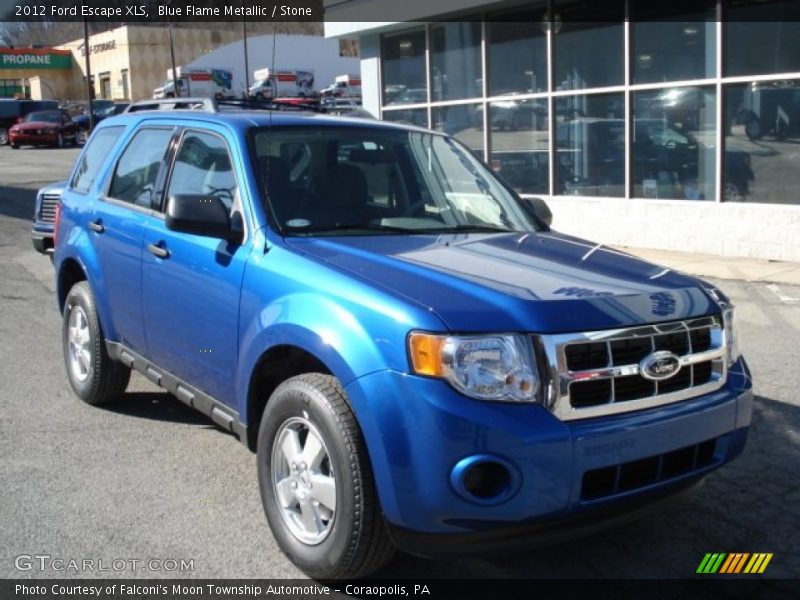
pixel 12 111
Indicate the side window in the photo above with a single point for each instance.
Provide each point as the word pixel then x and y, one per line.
pixel 135 176
pixel 203 167
pixel 94 157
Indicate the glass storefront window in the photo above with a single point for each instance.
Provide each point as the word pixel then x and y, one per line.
pixel 517 53
pixel 404 68
pixel 762 37
pixel 464 122
pixel 408 116
pixel 762 142
pixel 673 41
pixel 673 147
pixel 456 61
pixel 519 144
pixel 590 145
pixel 589 44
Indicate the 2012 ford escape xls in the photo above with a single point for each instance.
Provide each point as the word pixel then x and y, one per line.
pixel 417 359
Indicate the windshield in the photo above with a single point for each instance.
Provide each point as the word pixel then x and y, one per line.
pixel 358 181
pixel 49 116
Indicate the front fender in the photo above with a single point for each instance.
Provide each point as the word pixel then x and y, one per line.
pixel 351 327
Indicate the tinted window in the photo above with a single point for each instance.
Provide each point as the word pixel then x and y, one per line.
pixel 404 68
pixel 203 167
pixel 762 37
pixel 456 61
pixel 519 150
pixel 590 145
pixel 762 142
pixel 94 156
pixel 674 135
pixel 673 41
pixel 9 109
pixel 135 176
pixel 517 53
pixel 589 45
pixel 464 122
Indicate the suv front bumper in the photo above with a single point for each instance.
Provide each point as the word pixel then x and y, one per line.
pixel 418 431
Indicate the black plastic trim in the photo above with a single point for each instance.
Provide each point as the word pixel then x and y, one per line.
pixel 489 537
pixel 220 413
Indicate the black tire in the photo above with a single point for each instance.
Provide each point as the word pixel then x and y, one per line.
pixel 105 380
pixel 356 542
pixel 15 146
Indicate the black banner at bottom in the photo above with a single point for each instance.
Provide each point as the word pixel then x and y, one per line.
pixel 434 589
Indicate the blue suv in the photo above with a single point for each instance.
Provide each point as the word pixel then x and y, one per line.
pixel 417 359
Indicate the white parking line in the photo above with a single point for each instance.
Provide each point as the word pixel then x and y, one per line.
pixel 785 299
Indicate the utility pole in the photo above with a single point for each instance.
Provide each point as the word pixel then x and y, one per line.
pixel 172 55
pixel 246 61
pixel 89 90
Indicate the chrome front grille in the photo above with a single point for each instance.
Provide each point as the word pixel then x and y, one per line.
pixel 47 210
pixel 600 373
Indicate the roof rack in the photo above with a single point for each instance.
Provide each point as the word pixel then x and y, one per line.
pixel 205 104
pixel 213 105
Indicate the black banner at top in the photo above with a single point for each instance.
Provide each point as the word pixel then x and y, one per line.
pixel 365 11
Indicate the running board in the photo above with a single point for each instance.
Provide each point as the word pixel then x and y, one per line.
pixel 221 414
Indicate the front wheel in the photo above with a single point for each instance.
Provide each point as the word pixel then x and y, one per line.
pixel 316 481
pixel 94 377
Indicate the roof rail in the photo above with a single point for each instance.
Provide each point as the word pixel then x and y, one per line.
pixel 213 105
pixel 204 104
pixel 258 104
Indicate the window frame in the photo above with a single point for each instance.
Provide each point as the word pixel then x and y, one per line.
pixel 103 163
pixel 176 143
pixel 158 188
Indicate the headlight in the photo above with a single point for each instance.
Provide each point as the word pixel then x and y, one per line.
pixel 731 335
pixel 490 367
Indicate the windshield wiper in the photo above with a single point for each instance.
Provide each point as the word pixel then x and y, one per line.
pixel 395 229
pixel 465 229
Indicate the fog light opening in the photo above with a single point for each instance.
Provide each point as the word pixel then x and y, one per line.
pixel 485 479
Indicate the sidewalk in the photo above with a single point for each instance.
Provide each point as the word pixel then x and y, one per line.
pixel 748 269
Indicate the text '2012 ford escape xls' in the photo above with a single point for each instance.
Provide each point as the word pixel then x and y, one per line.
pixel 417 359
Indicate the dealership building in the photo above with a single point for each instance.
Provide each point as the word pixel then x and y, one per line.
pixel 127 63
pixel 669 125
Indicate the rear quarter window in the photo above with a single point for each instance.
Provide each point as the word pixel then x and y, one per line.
pixel 94 156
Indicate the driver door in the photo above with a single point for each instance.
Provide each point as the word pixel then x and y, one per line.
pixel 190 283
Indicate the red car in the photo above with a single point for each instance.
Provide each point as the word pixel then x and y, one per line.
pixel 44 128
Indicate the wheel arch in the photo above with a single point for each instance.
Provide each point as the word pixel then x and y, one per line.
pixel 274 366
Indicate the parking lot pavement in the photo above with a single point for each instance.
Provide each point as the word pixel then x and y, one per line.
pixel 149 478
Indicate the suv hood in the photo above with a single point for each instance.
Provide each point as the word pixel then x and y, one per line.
pixel 543 282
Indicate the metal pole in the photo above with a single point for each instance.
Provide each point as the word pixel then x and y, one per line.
pixel 88 72
pixel 172 55
pixel 246 61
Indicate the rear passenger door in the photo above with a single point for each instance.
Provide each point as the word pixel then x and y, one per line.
pixel 115 221
pixel 191 284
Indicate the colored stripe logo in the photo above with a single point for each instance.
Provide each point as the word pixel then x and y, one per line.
pixel 734 563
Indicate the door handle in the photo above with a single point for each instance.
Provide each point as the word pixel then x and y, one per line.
pixel 158 250
pixel 97 225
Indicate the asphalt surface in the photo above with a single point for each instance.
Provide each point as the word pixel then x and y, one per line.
pixel 150 478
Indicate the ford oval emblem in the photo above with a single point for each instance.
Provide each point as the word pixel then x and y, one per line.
pixel 660 365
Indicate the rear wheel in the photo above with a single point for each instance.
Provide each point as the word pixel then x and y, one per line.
pixel 15 146
pixel 316 481
pixel 94 377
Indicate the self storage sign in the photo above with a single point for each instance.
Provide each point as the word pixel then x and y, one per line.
pixel 33 58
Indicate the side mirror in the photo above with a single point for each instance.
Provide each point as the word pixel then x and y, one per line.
pixel 541 210
pixel 200 215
